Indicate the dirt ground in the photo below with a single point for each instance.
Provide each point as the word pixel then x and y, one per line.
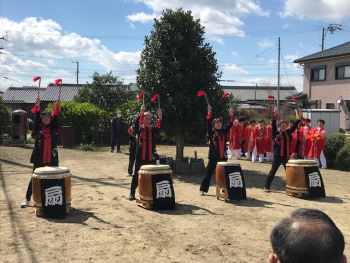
pixel 103 226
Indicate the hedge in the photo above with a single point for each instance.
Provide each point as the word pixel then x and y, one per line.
pixel 92 124
pixel 334 142
pixel 342 160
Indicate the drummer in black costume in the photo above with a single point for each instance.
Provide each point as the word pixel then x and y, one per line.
pixel 146 137
pixel 217 146
pixel 281 146
pixel 45 133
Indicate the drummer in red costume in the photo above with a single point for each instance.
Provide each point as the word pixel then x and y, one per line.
pixel 305 139
pixel 145 144
pixel 318 141
pixel 249 142
pixel 269 143
pixel 236 136
pixel 217 146
pixel 259 135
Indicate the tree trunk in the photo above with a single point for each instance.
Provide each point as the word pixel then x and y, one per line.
pixel 180 139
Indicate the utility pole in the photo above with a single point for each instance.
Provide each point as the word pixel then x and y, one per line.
pixel 331 28
pixel 278 78
pixel 77 73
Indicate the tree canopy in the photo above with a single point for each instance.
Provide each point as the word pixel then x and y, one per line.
pixel 176 63
pixel 105 91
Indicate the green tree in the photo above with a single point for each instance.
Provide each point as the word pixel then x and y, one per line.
pixel 105 91
pixel 176 64
pixel 5 119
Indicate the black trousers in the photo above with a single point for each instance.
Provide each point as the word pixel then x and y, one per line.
pixel 135 177
pixel 116 138
pixel 132 151
pixel 207 177
pixel 242 147
pixel 297 147
pixel 276 163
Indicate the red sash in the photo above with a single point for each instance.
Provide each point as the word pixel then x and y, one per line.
pixel 281 140
pixel 143 139
pixel 47 145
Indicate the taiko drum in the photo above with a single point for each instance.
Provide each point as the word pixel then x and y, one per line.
pixel 50 172
pixel 220 173
pixel 145 179
pixel 295 176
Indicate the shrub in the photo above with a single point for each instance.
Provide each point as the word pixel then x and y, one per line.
pixel 30 140
pixel 91 123
pixel 334 142
pixel 342 161
pixel 88 147
pixel 5 120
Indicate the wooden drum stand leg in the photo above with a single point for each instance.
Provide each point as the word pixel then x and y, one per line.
pixel 221 192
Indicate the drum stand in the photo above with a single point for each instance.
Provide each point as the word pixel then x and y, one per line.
pixel 39 210
pixel 297 192
pixel 145 202
pixel 221 192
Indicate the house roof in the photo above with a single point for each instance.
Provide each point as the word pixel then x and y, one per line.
pixel 21 95
pixel 29 94
pixel 337 51
pixel 299 95
pixel 247 93
pixel 68 91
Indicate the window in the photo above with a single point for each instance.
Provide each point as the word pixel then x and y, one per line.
pixel 330 106
pixel 342 72
pixel 318 74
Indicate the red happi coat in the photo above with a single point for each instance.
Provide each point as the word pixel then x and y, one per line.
pixel 294 142
pixel 318 141
pixel 268 139
pixel 305 140
pixel 260 144
pixel 248 133
pixel 236 136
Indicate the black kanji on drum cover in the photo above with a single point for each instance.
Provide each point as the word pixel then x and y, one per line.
pixel 314 182
pixel 235 183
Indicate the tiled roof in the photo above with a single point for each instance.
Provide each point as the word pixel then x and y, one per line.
pixel 68 91
pixel 247 93
pixel 21 95
pixel 341 50
pixel 299 95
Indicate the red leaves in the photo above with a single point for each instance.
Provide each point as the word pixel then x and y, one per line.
pixel 201 93
pixel 35 79
pixel 225 95
pixel 155 97
pixel 141 95
pixel 57 81
pixel 270 97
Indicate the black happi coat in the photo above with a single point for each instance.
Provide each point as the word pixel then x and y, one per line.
pixel 277 140
pixel 37 156
pixel 216 140
pixel 146 136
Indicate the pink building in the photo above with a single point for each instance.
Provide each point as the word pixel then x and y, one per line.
pixel 326 82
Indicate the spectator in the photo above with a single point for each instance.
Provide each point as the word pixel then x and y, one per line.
pixel 117 131
pixel 307 236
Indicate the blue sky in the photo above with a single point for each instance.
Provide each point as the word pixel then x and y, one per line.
pixel 45 37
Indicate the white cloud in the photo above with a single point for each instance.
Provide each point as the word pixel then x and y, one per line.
pixel 234 68
pixel 218 17
pixel 233 53
pixel 291 57
pixel 132 25
pixel 325 10
pixel 37 47
pixel 285 25
pixel 266 43
pixel 141 17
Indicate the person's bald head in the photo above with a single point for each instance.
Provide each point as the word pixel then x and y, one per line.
pixel 308 235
